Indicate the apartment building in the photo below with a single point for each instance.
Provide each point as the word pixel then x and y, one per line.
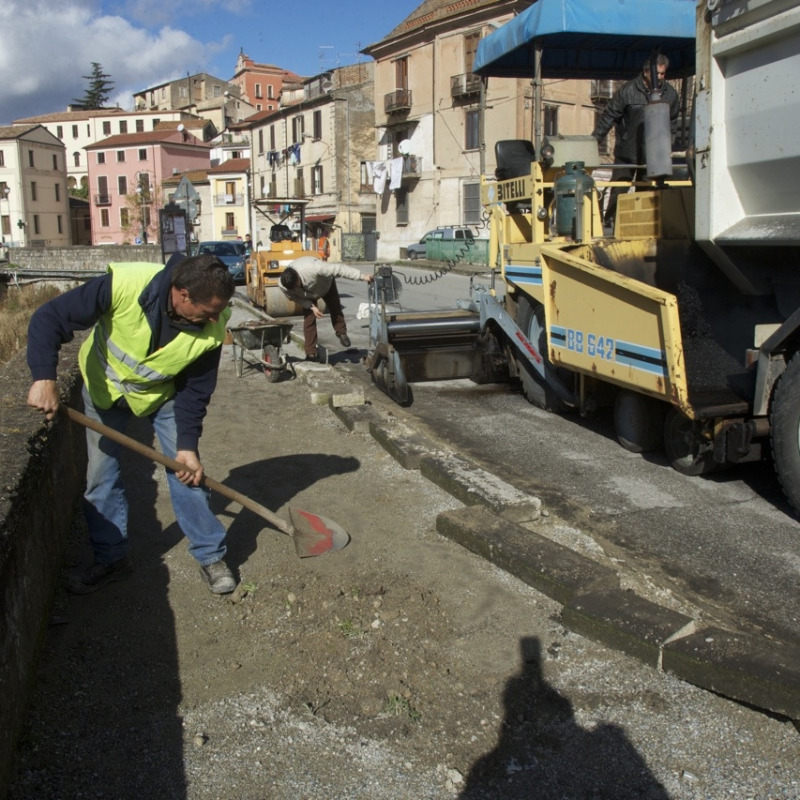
pixel 230 200
pixel 34 206
pixel 201 95
pixel 262 85
pixel 308 158
pixel 79 128
pixel 126 173
pixel 429 154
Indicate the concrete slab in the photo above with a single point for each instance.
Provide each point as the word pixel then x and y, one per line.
pixel 624 621
pixel 554 570
pixel 757 670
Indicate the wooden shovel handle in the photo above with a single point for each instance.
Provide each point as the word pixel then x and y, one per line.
pixel 154 455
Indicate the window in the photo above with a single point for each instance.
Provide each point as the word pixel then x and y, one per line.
pixel 216 91
pixel 297 129
pixel 30 158
pixel 472 203
pixel 55 162
pixel 261 141
pixel 401 206
pixel 230 191
pixel 104 221
pixel 230 223
pixel 122 185
pixel 36 224
pixel 123 126
pixel 401 74
pixel 471 134
pixel 102 190
pixel 184 92
pixel 76 158
pixel 142 154
pixel 551 120
pixel 74 131
pixel 58 192
pixel 60 131
pixel 58 223
pixel 144 183
pixel 101 158
pixel 2 158
pixel 106 128
pixel 470 48
pixel 318 124
pixel 124 218
pixel 33 191
pixel 271 92
pixel 316 180
pixel 139 126
pixel 6 226
pixel 120 156
pixel 262 185
pixel 258 91
pixel 366 183
pixel 258 106
pixel 271 137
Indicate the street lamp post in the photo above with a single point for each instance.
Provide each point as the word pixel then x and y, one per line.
pixel 141 194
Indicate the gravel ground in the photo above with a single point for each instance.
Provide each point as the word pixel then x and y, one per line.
pixel 399 668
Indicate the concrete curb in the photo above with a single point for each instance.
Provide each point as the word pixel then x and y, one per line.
pixel 758 670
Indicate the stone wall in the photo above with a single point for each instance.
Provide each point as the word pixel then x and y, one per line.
pixel 71 259
pixel 41 480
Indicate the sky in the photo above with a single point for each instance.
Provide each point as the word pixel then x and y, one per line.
pixel 49 45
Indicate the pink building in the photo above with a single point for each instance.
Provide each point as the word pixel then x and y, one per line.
pixel 125 177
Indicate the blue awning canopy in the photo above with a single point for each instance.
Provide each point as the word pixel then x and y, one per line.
pixel 599 39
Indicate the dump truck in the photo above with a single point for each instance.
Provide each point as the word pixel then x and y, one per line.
pixel 685 319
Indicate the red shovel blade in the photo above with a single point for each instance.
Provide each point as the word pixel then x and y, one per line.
pixel 314 535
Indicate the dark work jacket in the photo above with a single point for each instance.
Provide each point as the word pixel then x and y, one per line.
pixel 625 110
pixel 55 323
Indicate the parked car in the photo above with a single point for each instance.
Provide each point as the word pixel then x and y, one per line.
pixel 420 249
pixel 230 253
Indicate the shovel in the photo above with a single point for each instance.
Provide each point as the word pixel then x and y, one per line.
pixel 313 535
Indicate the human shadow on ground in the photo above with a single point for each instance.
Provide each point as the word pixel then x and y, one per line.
pixel 542 753
pixel 103 719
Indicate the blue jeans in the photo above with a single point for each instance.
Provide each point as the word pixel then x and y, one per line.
pixel 105 503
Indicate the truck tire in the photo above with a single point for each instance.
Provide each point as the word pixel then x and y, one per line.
pixel 785 432
pixel 638 421
pixel 530 320
pixel 686 449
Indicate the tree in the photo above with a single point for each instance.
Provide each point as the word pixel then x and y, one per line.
pixel 100 87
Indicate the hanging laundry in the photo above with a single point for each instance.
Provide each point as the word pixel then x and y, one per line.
pixel 396 179
pixel 380 172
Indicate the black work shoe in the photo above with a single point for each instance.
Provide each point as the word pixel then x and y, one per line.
pixel 344 339
pixel 218 577
pixel 98 575
pixel 315 359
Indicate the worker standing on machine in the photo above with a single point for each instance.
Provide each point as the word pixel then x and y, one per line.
pixel 625 113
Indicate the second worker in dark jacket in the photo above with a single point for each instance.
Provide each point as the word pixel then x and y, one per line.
pixel 625 113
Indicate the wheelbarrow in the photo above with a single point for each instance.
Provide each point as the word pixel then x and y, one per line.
pixel 266 338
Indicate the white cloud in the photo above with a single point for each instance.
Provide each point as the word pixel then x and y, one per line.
pixel 48 46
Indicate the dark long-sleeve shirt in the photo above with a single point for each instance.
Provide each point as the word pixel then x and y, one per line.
pixel 625 110
pixel 56 322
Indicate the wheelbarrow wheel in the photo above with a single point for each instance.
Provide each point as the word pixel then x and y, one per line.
pixel 272 356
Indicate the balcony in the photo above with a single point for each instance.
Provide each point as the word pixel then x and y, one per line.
pixel 102 199
pixel 397 101
pixel 464 85
pixel 228 199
